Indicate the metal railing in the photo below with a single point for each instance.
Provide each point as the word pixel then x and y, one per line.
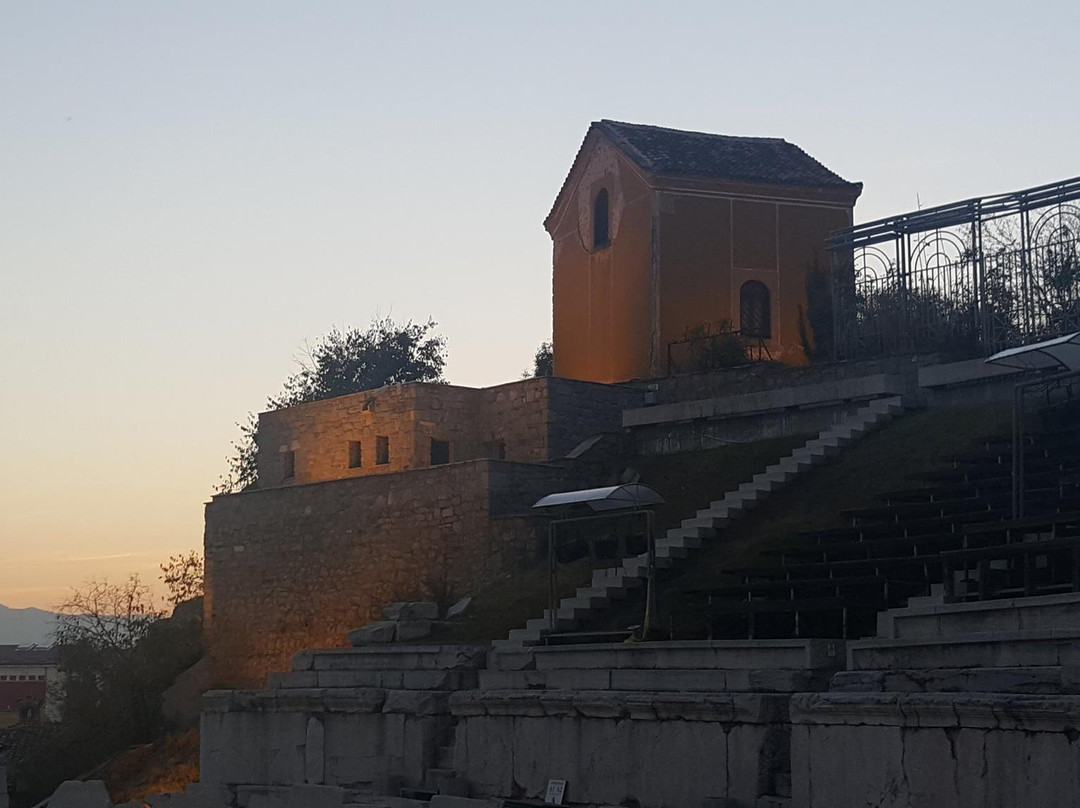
pixel 965 279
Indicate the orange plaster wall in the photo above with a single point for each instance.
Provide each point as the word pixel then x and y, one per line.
pixel 602 301
pixel 695 266
pixel 710 239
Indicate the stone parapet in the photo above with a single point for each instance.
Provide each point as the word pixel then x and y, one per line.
pixel 934 750
pixel 742 708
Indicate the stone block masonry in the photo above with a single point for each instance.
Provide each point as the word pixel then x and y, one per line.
pixel 300 566
pixel 419 425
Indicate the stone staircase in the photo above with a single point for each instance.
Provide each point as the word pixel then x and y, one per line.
pixel 679 543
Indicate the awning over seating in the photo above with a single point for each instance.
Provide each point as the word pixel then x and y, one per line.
pixel 609 498
pixel 1060 353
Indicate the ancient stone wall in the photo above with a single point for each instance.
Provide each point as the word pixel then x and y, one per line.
pixel 299 566
pixel 393 428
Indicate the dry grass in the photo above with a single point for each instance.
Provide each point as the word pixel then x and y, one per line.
pixel 165 766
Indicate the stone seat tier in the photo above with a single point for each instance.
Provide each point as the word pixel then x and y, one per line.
pixel 991 649
pixel 1007 614
pixel 742 680
pixel 388 680
pixel 1048 680
pixel 393 658
pixel 801 654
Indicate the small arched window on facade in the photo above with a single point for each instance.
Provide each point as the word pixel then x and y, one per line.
pixel 601 228
pixel 755 310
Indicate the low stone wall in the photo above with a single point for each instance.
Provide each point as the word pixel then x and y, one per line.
pixel 935 750
pixel 372 719
pixel 619 748
pixel 774 376
pixel 298 567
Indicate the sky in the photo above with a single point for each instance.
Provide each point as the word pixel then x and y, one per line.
pixel 189 191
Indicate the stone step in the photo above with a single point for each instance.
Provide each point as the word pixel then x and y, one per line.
pixel 744 680
pixel 446 781
pixel 806 654
pixel 704 525
pixel 389 680
pixel 613 576
pixel 993 649
pixel 782 784
pixel 928 618
pixel 772 801
pixel 1035 680
pixel 392 658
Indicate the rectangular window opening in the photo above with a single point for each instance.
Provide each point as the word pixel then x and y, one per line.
pixel 356 454
pixel 440 452
pixel 288 464
pixel 382 450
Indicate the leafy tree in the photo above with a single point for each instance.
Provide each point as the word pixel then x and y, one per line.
pixel 183 575
pixel 343 362
pixel 816 321
pixel 544 361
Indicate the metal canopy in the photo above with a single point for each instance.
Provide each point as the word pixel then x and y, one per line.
pixel 609 498
pixel 1062 353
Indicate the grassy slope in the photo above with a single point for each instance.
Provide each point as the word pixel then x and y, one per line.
pixel 689 481
pixel 167 765
pixel 883 461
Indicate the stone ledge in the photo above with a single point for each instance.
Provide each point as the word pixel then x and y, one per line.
pixel 393 658
pixel 695 655
pixel 986 711
pixel 699 680
pixel 971 370
pixel 782 398
pixel 328 700
pixel 734 708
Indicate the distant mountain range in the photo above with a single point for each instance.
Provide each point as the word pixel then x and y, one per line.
pixel 25 626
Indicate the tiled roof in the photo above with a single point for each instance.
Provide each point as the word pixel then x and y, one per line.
pixel 28 655
pixel 675 152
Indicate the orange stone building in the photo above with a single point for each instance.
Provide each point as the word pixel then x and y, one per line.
pixel 658 231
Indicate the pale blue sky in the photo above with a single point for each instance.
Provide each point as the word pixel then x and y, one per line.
pixel 189 190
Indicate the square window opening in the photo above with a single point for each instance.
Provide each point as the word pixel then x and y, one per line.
pixel 440 452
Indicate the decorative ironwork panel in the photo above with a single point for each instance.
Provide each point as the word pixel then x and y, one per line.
pixel 964 279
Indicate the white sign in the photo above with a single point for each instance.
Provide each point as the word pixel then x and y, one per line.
pixel 555 791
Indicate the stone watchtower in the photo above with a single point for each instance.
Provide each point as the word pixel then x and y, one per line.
pixel 658 231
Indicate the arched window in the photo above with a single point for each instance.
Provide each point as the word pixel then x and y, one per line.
pixel 601 230
pixel 755 311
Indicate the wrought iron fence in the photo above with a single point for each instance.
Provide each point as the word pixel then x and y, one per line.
pixel 711 349
pixel 965 279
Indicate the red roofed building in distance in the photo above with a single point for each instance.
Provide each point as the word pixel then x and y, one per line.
pixel 27 674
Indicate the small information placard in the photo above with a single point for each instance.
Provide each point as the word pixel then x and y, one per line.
pixel 555 791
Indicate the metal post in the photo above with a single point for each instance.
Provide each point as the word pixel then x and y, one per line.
pixel 551 576
pixel 651 615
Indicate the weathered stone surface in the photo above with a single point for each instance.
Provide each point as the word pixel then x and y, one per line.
pixel 450 801
pixel 81 794
pixel 411 610
pixel 417 702
pixel 407 630
pixel 362 537
pixel 458 609
pixel 374 633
